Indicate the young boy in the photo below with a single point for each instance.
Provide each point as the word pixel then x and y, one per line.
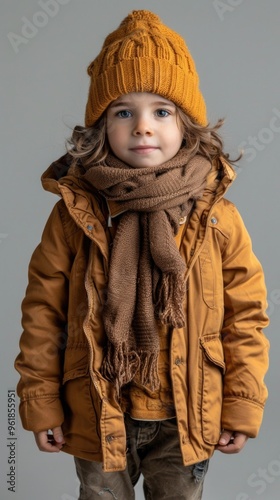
pixel 142 348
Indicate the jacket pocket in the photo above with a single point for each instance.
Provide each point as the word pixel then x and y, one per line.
pixel 213 369
pixel 82 411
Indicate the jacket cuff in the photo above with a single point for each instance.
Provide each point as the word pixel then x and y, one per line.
pixel 41 414
pixel 242 415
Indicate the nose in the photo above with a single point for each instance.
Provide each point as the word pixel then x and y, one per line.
pixel 142 126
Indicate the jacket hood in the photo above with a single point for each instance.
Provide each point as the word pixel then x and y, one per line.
pixel 58 170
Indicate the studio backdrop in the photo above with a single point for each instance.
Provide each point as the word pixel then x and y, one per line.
pixel 46 46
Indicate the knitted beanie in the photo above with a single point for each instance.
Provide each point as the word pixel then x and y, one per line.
pixel 144 55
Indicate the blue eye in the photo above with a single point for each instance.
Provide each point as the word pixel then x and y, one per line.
pixel 124 114
pixel 162 113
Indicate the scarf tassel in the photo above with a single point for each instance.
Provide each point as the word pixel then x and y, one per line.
pixel 149 370
pixel 169 306
pixel 119 365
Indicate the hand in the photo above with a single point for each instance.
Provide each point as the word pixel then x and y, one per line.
pixel 231 442
pixel 50 442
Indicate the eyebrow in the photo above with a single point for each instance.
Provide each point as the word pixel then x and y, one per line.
pixel 129 104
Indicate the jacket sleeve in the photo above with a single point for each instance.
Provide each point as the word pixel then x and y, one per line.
pixel 245 346
pixel 44 317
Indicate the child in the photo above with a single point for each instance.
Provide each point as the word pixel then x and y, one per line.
pixel 142 349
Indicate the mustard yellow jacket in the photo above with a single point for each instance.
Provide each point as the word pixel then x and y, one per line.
pixel 217 361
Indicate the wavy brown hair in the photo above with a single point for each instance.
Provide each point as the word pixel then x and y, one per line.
pixel 89 145
pixel 205 141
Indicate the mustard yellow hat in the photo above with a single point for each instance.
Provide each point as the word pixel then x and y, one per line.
pixel 144 55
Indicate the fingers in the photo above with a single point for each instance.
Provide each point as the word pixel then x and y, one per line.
pixel 58 436
pixel 225 438
pixel 231 442
pixel 50 442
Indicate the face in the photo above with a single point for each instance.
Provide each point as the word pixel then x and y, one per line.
pixel 143 130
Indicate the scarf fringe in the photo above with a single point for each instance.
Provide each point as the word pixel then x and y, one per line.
pixel 169 306
pixel 148 373
pixel 120 365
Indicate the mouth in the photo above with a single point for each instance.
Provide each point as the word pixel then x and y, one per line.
pixel 144 149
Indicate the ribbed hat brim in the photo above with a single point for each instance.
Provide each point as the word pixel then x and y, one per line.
pixel 146 75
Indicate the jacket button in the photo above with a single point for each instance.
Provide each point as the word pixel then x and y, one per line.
pixel 214 220
pixel 109 438
pixel 178 361
pixel 182 220
pixel 90 227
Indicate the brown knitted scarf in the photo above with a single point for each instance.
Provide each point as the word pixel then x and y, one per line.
pixel 147 274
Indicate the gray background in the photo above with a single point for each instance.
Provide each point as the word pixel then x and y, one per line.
pixel 235 44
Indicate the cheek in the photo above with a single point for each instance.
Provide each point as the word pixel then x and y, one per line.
pixel 176 139
pixel 116 133
pixel 173 133
pixel 111 130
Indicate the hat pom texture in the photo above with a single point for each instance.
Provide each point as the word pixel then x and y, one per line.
pixel 144 55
